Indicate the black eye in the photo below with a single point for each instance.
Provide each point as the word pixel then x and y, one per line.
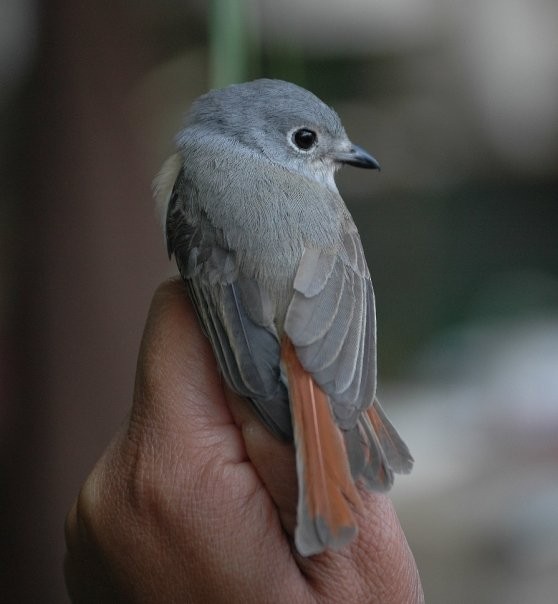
pixel 304 138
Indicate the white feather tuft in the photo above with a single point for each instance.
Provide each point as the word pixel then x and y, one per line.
pixel 163 184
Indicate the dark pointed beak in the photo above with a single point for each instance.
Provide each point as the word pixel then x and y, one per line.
pixel 357 157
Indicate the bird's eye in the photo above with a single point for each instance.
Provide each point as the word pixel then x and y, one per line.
pixel 304 138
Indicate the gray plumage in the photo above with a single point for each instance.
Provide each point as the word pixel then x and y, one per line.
pixel 267 248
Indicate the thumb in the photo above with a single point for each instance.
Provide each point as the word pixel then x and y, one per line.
pixel 178 389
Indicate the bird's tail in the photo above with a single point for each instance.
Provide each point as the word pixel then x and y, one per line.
pixel 328 464
pixel 376 451
pixel 326 488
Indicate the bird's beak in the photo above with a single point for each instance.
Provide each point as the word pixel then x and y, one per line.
pixel 358 157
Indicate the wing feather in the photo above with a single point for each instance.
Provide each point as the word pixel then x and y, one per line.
pixel 309 318
pixel 246 346
pixel 318 357
pixel 331 321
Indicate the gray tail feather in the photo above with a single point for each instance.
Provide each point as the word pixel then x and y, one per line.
pixel 396 451
pixel 376 450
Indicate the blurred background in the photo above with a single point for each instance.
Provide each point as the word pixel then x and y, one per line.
pixel 458 101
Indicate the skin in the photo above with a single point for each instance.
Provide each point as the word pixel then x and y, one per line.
pixel 194 500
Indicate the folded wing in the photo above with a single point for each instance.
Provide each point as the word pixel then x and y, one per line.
pixel 244 341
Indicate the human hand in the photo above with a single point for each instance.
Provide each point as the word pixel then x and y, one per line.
pixel 194 500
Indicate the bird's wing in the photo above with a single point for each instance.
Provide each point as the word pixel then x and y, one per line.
pixel 233 310
pixel 329 352
pixel 331 321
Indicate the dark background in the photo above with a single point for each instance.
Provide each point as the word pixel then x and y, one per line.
pixel 460 106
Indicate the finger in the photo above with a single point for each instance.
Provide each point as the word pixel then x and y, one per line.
pixel 273 459
pixel 377 566
pixel 383 555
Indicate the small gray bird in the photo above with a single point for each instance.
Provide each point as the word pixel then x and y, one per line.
pixel 274 266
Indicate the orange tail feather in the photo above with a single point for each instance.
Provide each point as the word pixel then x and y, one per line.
pixel 326 488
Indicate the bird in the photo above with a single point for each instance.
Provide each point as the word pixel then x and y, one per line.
pixel 274 266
